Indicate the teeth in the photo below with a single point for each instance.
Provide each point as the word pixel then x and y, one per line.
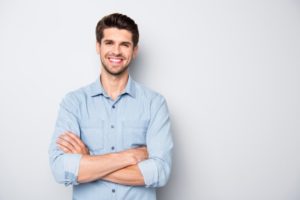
pixel 115 59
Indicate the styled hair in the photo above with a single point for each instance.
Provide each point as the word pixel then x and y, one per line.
pixel 120 21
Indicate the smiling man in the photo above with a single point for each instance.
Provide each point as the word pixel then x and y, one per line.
pixel 112 138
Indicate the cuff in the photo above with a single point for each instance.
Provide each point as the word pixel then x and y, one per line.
pixel 149 172
pixel 71 168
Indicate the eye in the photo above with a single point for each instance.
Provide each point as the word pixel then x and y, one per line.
pixel 108 42
pixel 126 44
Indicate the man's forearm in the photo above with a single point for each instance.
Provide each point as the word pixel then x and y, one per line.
pixel 96 167
pixel 93 168
pixel 130 175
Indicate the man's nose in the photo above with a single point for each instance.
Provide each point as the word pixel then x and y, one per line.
pixel 116 49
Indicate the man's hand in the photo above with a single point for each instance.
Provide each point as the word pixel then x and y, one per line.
pixel 71 143
pixel 137 154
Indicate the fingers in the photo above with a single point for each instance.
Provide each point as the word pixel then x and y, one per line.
pixel 63 147
pixel 143 150
pixel 140 153
pixel 66 144
pixel 80 146
pixel 71 143
pixel 83 147
pixel 76 139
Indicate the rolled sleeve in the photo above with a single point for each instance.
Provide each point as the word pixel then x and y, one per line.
pixel 64 166
pixel 156 170
pixel 149 172
pixel 71 168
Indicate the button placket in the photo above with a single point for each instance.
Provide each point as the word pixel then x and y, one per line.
pixel 113 127
pixel 113 113
pixel 113 192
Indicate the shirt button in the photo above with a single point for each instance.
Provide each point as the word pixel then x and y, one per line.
pixel 113 107
pixel 113 190
pixel 112 148
pixel 112 126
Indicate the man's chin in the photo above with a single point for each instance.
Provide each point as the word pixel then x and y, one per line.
pixel 114 71
pixel 117 73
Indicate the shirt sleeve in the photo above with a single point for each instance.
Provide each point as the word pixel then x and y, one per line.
pixel 65 166
pixel 156 170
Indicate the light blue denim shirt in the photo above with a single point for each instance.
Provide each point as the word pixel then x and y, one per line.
pixel 138 117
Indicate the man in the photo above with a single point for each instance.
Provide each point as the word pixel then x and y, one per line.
pixel 112 138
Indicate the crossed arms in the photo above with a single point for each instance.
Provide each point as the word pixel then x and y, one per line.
pixel 118 167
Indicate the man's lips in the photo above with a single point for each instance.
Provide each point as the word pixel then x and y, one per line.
pixel 116 60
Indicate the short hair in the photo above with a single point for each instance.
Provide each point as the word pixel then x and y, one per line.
pixel 120 21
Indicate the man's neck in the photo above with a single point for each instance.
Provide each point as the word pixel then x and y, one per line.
pixel 114 85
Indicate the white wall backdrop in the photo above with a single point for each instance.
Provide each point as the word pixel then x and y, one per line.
pixel 230 71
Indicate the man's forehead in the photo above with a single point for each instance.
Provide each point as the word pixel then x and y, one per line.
pixel 117 34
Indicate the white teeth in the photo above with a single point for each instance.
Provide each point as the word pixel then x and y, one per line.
pixel 115 59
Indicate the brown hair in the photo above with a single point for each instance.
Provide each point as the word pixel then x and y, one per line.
pixel 120 21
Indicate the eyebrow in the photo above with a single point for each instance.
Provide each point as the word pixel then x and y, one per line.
pixel 124 42
pixel 107 40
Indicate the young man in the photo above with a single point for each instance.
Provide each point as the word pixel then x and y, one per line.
pixel 112 138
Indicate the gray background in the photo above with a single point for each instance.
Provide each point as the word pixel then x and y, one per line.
pixel 228 69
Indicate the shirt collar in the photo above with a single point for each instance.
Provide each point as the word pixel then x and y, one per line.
pixel 97 89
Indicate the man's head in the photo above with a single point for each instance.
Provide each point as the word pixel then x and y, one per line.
pixel 118 21
pixel 117 38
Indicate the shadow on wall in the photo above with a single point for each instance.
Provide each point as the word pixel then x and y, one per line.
pixel 178 161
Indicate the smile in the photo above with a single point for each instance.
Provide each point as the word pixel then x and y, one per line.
pixel 115 60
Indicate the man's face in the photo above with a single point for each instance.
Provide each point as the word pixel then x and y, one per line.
pixel 116 50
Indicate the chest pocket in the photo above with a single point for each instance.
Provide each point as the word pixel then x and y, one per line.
pixel 93 136
pixel 134 133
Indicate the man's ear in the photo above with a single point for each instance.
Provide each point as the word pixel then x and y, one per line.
pixel 135 51
pixel 98 47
